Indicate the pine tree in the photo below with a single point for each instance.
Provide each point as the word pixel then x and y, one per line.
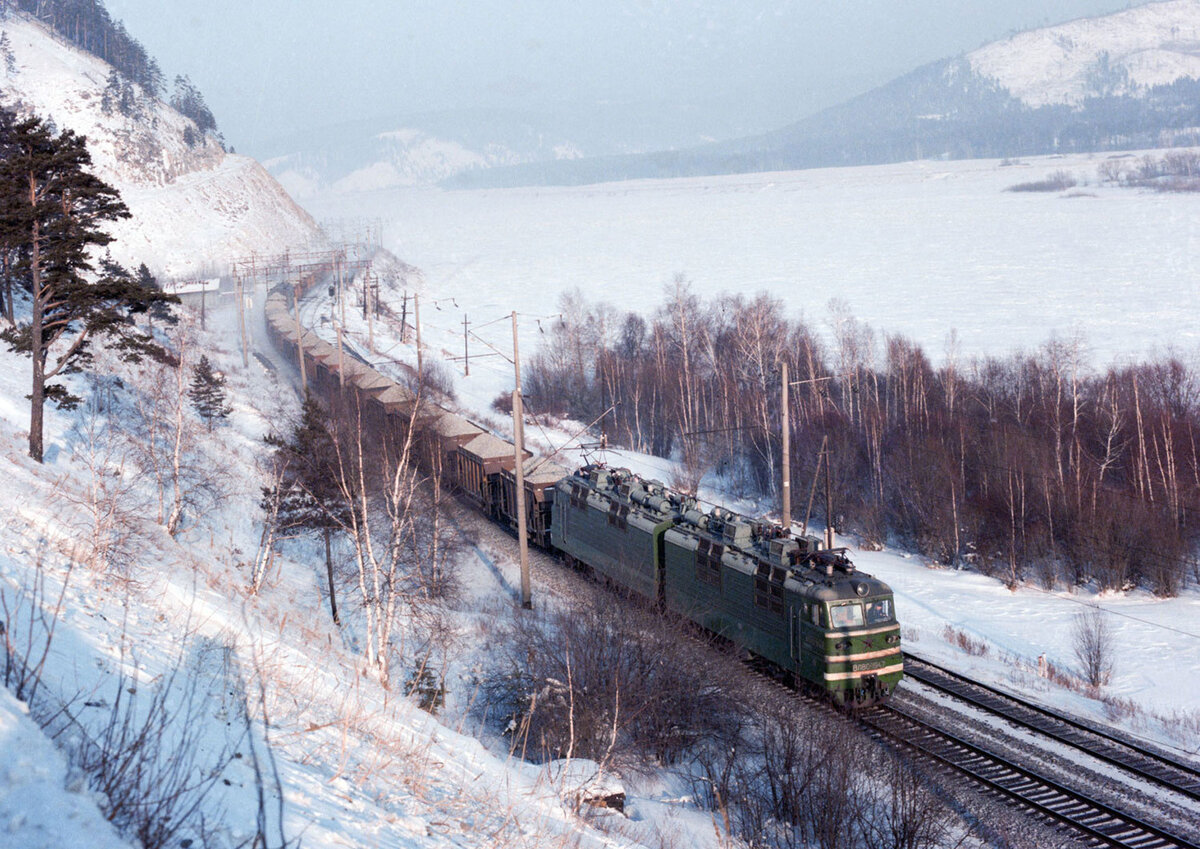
pixel 208 393
pixel 12 224
pixel 189 102
pixel 60 209
pixel 110 98
pixel 161 310
pixel 6 54
pixel 309 496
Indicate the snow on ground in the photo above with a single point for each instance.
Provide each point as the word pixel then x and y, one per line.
pixel 44 804
pixel 358 765
pixel 917 248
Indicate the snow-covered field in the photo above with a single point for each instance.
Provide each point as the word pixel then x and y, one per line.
pixel 918 248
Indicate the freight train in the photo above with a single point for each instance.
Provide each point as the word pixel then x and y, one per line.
pixel 803 608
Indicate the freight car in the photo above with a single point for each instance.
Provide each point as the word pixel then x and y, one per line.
pixel 805 609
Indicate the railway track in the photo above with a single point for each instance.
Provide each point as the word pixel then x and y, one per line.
pixel 1063 801
pixel 1099 822
pixel 1155 766
pixel 1052 800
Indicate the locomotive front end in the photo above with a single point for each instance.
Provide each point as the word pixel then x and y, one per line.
pixel 851 634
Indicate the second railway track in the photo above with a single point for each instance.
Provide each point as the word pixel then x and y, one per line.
pixel 1067 798
pixel 1149 763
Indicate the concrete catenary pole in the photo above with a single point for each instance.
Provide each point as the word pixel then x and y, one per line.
pixel 299 339
pixel 785 510
pixel 519 451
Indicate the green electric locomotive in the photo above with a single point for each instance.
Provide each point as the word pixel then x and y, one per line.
pixel 805 609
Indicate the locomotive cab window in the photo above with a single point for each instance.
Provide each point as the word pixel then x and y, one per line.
pixel 816 614
pixel 849 615
pixel 879 611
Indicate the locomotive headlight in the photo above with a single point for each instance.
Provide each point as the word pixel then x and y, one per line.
pixel 842 645
pixel 861 588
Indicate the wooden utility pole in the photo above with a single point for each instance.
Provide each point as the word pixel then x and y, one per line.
pixel 519 450
pixel 785 512
pixel 371 322
pixel 404 318
pixel 417 321
pixel 241 299
pixel 299 333
pixel 466 350
pixel 341 362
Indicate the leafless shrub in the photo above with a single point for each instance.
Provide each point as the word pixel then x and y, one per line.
pixel 502 403
pixel 434 383
pixel 143 761
pixel 1092 640
pixel 960 638
pixel 1117 709
pixel 1063 677
pixel 106 506
pixel 1112 170
pixel 911 815
pixel 797 778
pixel 606 682
pixel 29 618
pixel 1056 181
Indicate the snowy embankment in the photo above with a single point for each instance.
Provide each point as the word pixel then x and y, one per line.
pixel 921 248
pixel 263 687
pixel 43 803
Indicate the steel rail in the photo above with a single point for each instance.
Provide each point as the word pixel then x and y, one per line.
pixel 1094 819
pixel 1103 745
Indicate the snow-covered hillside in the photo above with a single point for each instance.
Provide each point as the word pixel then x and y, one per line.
pixel 192 206
pixel 405 157
pixel 399 158
pixel 1149 45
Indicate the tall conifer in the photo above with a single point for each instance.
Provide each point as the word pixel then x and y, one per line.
pixel 60 209
pixel 208 393
pixel 309 495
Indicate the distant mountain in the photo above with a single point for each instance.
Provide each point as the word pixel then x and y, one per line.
pixel 1122 81
pixel 424 149
pixel 194 206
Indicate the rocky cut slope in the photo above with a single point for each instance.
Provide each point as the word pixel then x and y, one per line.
pixel 194 206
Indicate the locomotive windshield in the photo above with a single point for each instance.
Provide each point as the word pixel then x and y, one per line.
pixel 879 610
pixel 848 615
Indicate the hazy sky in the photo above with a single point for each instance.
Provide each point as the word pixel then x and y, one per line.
pixel 271 68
